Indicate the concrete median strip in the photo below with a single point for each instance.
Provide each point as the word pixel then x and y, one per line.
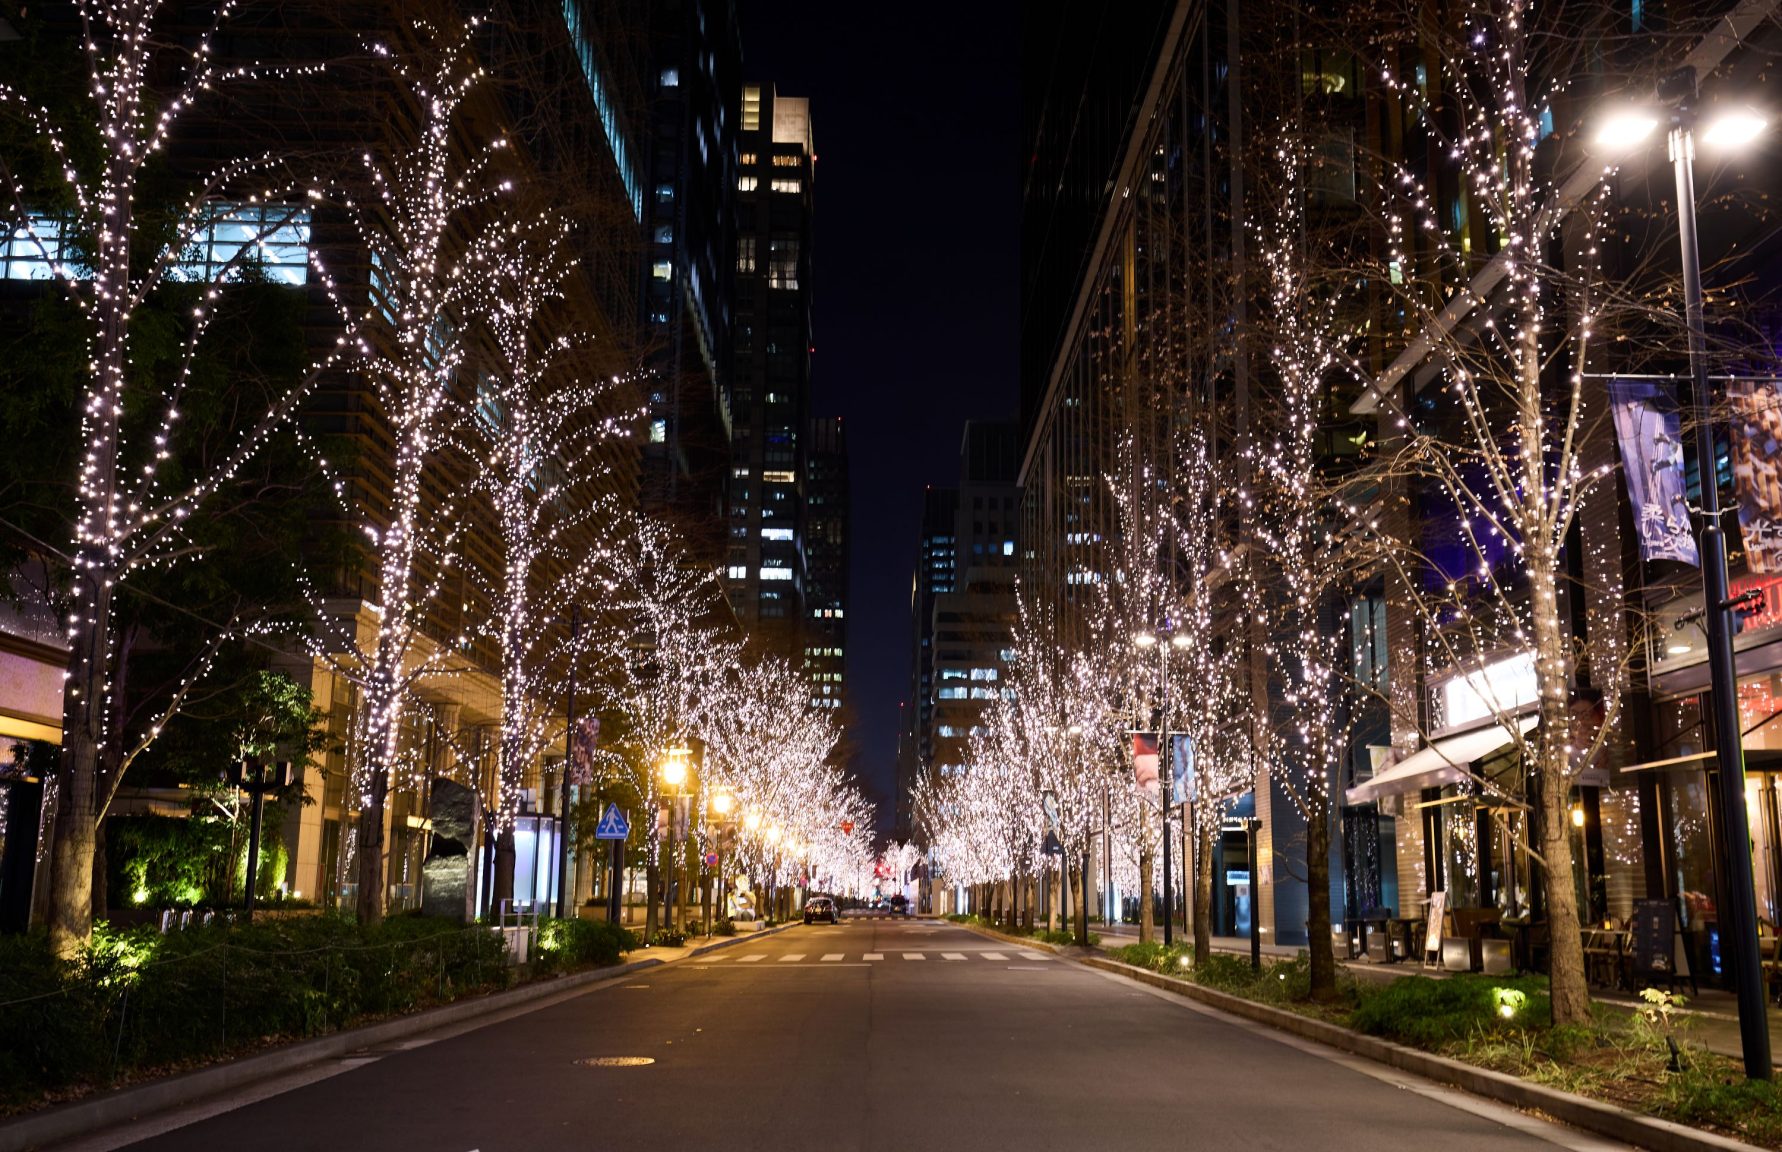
pixel 124 1105
pixel 1578 1111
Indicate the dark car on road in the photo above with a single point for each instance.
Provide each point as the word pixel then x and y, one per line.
pixel 821 908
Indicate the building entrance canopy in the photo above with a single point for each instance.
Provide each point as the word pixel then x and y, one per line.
pixel 1445 761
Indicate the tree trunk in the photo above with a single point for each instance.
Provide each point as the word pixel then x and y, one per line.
pixel 1566 977
pixel 1323 957
pixel 1203 892
pixel 1147 917
pixel 101 904
pixel 77 772
pixel 652 881
pixel 370 902
pixel 1083 901
pixel 502 883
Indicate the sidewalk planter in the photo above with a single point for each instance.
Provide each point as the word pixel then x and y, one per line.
pixel 1608 1120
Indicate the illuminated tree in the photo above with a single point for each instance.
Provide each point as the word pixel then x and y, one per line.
pixel 412 201
pixel 541 431
pixel 1311 540
pixel 1520 452
pixel 114 257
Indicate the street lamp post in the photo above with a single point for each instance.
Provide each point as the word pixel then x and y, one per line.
pixel 674 775
pixel 1740 943
pixel 721 805
pixel 1163 638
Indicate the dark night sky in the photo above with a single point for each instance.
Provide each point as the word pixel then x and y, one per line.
pixel 916 113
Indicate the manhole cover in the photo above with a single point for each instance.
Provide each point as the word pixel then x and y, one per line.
pixel 615 1061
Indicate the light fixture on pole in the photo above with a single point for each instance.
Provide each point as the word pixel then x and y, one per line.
pixel 1163 638
pixel 1729 129
pixel 675 771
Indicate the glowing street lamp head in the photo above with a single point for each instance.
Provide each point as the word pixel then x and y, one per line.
pixel 1179 640
pixel 674 767
pixel 1625 130
pixel 1144 639
pixel 1734 128
pixel 752 820
pixel 723 802
pixel 773 834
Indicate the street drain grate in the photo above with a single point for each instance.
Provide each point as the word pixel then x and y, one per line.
pixel 615 1061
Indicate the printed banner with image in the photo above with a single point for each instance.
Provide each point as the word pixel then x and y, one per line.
pixel 1649 431
pixel 1757 470
pixel 1145 765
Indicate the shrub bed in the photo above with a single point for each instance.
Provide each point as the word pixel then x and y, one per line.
pixel 138 1001
pixel 1504 1023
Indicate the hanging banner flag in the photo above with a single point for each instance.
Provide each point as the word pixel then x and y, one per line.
pixel 1757 470
pixel 1144 765
pixel 1650 434
pixel 1181 769
pixel 584 747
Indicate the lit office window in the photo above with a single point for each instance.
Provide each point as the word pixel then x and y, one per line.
pixel 658 431
pixel 746 183
pixel 783 535
pixel 751 109
pixel 788 185
pixel 671 77
pixel 746 158
pixel 775 572
pixel 662 270
pixel 784 161
pixel 737 572
pixel 745 252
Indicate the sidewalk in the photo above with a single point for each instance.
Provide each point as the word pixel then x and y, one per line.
pixel 1713 1013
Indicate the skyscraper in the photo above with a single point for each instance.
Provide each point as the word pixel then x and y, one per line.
pixel 826 561
pixel 695 89
pixel 764 568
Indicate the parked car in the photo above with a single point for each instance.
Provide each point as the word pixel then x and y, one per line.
pixel 821 908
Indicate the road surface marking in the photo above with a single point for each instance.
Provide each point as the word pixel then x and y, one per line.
pixel 751 959
pixel 791 957
pixel 952 955
pixel 912 956
pixel 873 956
pixel 1025 968
pixel 1033 956
pixel 994 956
pixel 830 957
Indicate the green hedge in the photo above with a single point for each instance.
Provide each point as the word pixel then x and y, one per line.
pixel 140 1000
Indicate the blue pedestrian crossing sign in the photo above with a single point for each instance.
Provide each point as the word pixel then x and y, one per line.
pixel 613 825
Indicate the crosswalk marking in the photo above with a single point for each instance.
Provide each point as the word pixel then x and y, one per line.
pixel 751 959
pixel 952 955
pixel 873 956
pixel 1033 956
pixel 791 957
pixel 913 956
pixel 994 956
pixel 829 956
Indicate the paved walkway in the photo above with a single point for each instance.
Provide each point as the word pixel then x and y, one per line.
pixel 1713 1014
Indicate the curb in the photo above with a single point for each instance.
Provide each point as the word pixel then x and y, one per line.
pixel 1578 1111
pixel 81 1117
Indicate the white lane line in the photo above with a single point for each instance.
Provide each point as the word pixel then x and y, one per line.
pixel 873 956
pixel 994 956
pixel 751 959
pixel 913 956
pixel 952 955
pixel 791 957
pixel 1027 968
pixel 1033 956
pixel 831 957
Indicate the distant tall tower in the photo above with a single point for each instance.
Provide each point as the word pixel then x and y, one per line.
pixel 764 565
pixel 826 561
pixel 695 88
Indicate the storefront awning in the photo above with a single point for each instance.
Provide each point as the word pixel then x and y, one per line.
pixel 1445 761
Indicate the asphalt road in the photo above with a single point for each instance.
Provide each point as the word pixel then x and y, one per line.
pixel 906 1036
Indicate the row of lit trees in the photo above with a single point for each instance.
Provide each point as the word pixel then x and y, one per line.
pixel 1242 541
pixel 501 415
